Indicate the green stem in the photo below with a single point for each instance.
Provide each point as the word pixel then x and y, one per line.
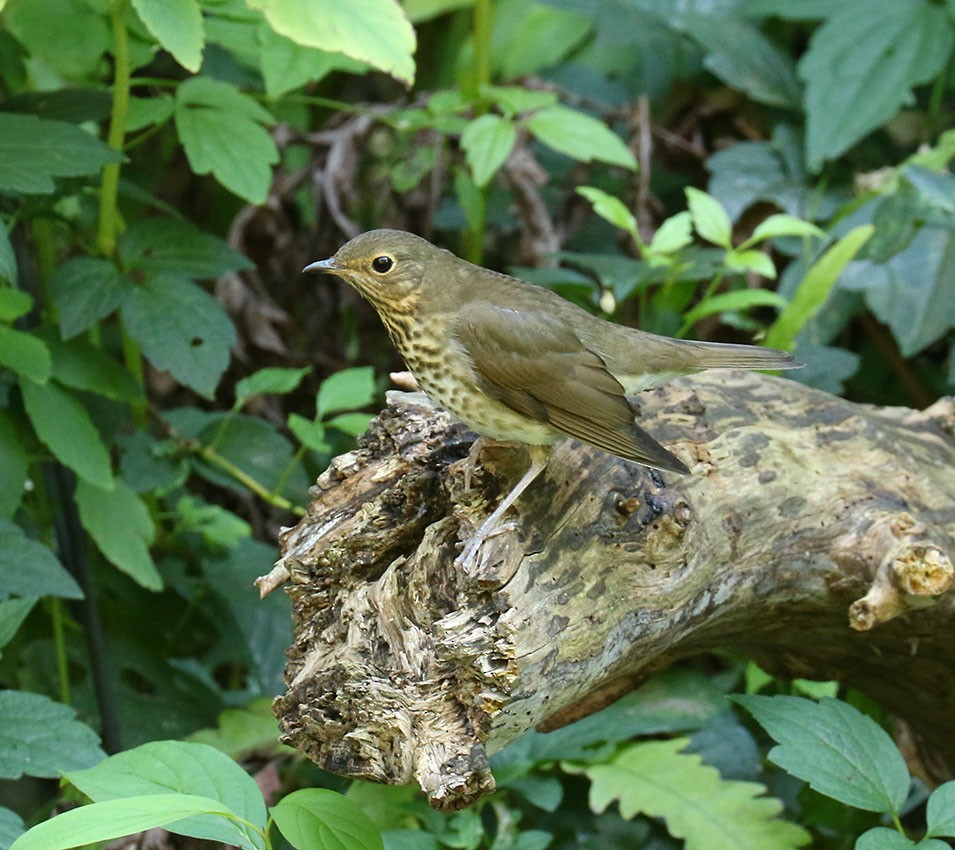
pixel 108 226
pixel 482 48
pixel 289 469
pixel 59 642
pixel 210 455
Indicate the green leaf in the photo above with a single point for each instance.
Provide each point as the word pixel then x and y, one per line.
pixel 150 464
pixel 323 820
pixel 12 614
pixel 14 463
pixel 469 197
pixel 883 838
pixel 782 224
pixel 64 426
pixel 862 64
pixel 114 819
pixel 268 381
pixel 709 218
pixel 220 130
pixel 180 328
pixel 673 235
pixel 487 143
pixel 354 424
pixel 579 136
pixel 742 260
pixel 29 569
pixel 14 303
pixel 530 36
pixel 346 390
pixel 217 525
pixel 24 354
pixel 122 529
pixel 34 151
pixel 709 813
pixel 178 247
pixel 85 290
pixel 740 299
pixel 514 100
pixel 839 751
pixel 11 827
pixel 83 366
pixel 177 26
pixel 242 730
pixel 743 58
pixel 148 111
pixel 65 34
pixel 940 811
pixel 8 260
pixel 40 737
pixel 175 768
pixel 374 31
pixel 287 65
pixel 815 288
pixel 309 433
pixel 611 209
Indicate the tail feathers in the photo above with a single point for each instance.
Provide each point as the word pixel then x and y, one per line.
pixel 717 355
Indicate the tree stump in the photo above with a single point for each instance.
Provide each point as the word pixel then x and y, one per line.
pixel 815 536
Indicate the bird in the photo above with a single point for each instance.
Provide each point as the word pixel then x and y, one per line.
pixel 517 362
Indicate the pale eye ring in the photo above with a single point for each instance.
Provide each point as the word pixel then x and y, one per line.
pixel 383 264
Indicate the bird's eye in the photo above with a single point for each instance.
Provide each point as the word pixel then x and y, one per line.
pixel 382 264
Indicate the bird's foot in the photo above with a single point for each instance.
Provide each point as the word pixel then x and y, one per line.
pixel 470 463
pixel 485 532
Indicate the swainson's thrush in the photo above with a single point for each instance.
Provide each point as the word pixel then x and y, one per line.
pixel 515 361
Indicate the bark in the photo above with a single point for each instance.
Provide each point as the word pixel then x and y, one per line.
pixel 815 535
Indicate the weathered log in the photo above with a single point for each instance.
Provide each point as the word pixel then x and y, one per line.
pixel 815 535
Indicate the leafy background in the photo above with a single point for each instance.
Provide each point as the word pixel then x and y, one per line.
pixel 170 385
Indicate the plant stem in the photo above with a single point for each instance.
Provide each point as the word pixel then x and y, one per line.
pixel 108 226
pixel 482 48
pixel 59 642
pixel 714 285
pixel 209 454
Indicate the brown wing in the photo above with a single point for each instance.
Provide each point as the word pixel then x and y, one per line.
pixel 537 366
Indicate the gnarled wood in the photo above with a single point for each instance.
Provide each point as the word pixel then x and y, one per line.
pixel 815 535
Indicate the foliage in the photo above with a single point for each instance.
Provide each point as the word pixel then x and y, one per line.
pixel 743 167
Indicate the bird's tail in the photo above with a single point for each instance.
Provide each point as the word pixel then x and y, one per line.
pixel 721 355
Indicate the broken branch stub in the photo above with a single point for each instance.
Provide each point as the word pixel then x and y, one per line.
pixel 815 535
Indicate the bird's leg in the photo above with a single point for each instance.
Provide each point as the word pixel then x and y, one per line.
pixel 493 525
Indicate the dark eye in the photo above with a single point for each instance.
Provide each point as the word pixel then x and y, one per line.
pixel 382 264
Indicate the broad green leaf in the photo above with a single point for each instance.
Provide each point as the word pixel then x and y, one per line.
pixel 310 433
pixel 513 100
pixel 114 819
pixel 839 751
pixel 374 31
pixel 268 381
pixel 424 10
pixel 147 111
pixel 351 423
pixel 40 737
pixel 24 354
pixel 12 614
pixel 346 390
pixel 83 366
pixel 709 813
pixel 14 303
pixel 65 34
pixel 64 426
pixel 940 811
pixel 287 65
pixel 487 143
pixel 177 26
pixel 150 464
pixel 243 730
pixel 34 151
pixel 530 36
pixel 740 299
pixel 674 234
pixel 85 290
pixel 8 260
pixel 180 328
pixel 815 288
pixel 174 768
pixel 177 247
pixel 883 838
pixel 14 463
pixel 782 224
pixel 742 260
pixel 862 64
pixel 221 132
pixel 611 209
pixel 11 826
pixel 323 820
pixel 30 569
pixel 579 136
pixel 122 529
pixel 709 218
pixel 742 57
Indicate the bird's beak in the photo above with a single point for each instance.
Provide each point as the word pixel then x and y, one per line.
pixel 326 266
